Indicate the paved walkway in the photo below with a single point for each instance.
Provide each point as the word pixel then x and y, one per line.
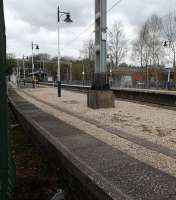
pixel 107 160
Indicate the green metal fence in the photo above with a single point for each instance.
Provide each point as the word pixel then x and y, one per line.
pixel 8 179
pixel 7 166
pixel 11 177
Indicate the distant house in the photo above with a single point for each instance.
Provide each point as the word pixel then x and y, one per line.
pixel 139 76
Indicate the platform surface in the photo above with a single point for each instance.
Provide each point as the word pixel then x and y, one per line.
pixel 120 164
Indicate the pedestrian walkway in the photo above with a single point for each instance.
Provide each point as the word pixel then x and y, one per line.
pixel 117 166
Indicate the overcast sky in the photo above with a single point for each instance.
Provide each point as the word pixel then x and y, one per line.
pixel 36 20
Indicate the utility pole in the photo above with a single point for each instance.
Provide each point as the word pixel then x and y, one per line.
pixel 100 80
pixel 100 96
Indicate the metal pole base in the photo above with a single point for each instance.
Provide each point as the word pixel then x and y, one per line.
pixel 59 88
pixel 100 82
pixel 97 99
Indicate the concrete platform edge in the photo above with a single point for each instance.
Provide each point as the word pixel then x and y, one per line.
pixel 91 180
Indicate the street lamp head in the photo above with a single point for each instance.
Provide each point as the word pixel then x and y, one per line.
pixel 37 47
pixel 165 44
pixel 68 19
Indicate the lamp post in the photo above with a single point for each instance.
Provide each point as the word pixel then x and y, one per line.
pixel 67 20
pixel 83 72
pixel 110 60
pixel 171 45
pixel 37 48
pixel 168 44
pixel 71 72
pixel 18 74
pixel 24 69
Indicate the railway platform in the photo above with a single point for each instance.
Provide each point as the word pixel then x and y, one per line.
pixel 127 152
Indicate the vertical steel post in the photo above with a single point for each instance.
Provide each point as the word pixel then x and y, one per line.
pixel 83 74
pixel 24 70
pixel 58 70
pixel 71 65
pixel 3 110
pixel 17 73
pixel 7 166
pixel 101 79
pixel 33 62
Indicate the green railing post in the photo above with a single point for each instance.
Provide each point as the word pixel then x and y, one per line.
pixel 7 167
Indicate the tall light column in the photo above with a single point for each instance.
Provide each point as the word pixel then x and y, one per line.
pixel 24 70
pixel 67 20
pixel 33 67
pixel 58 61
pixel 83 73
pixel 71 72
pixel 17 73
pixel 32 61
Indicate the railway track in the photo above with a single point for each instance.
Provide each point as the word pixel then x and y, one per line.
pixel 163 99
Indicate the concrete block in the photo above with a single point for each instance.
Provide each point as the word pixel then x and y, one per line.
pixel 97 99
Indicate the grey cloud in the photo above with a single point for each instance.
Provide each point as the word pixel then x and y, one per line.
pixel 36 20
pixel 43 13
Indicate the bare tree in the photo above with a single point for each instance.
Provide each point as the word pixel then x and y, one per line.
pixel 148 46
pixel 154 24
pixel 169 29
pixel 87 57
pixel 117 44
pixel 141 50
pixel 88 50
